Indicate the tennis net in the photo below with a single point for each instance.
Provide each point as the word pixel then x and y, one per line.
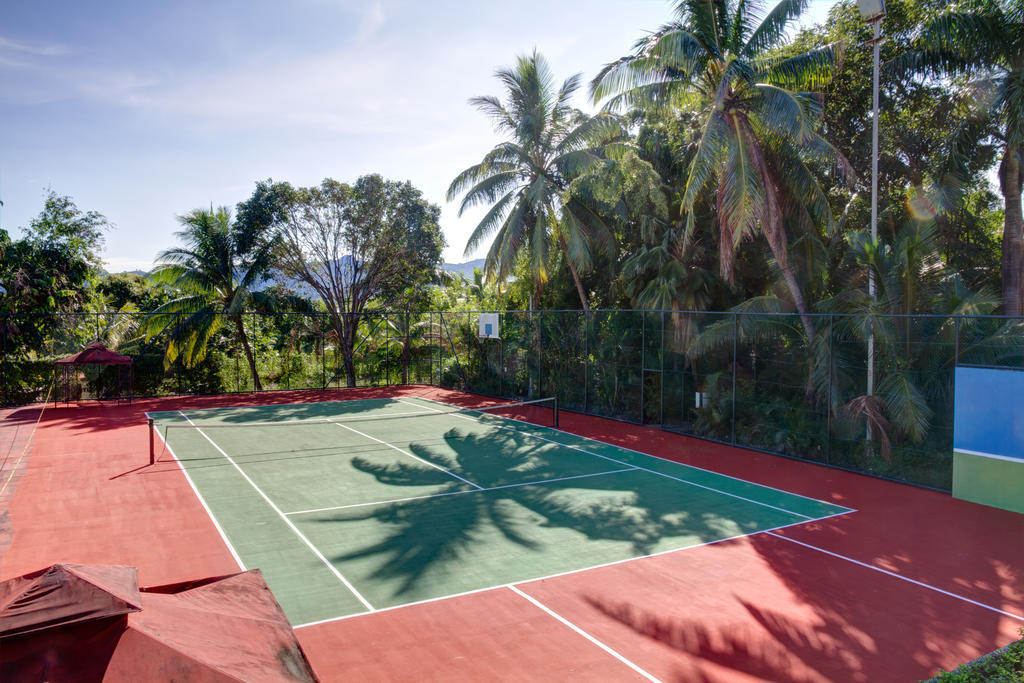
pixel 542 412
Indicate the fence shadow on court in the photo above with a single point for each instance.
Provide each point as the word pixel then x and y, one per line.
pixel 435 533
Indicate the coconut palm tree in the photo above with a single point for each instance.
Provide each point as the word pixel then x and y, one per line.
pixel 980 46
pixel 215 271
pixel 757 122
pixel 526 178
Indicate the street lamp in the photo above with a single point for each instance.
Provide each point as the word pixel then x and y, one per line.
pixel 872 12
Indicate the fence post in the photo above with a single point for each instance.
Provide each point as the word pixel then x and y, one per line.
pixel 540 354
pixel 735 342
pixel 255 355
pixel 661 405
pixel 4 393
pixel 643 366
pixel 586 361
pixel 828 399
pixel 956 342
pixel 323 355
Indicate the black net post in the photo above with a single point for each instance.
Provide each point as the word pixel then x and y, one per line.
pixel 152 441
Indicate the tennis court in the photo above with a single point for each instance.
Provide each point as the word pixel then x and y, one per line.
pixel 355 506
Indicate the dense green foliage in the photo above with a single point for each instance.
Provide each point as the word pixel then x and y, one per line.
pixel 1003 666
pixel 526 178
pixel 374 241
pixel 215 273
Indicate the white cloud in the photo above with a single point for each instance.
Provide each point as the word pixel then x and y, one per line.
pixel 42 50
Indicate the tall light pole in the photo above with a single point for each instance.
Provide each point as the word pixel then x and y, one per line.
pixel 872 12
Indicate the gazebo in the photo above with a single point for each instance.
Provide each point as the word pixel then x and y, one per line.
pixel 95 355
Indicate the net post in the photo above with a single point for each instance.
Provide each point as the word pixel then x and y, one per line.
pixel 152 443
pixel 555 402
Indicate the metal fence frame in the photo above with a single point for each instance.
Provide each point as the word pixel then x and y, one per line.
pixel 626 360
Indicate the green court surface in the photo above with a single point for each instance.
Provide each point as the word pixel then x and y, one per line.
pixel 345 514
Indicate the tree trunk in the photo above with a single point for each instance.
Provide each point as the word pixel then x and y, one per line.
pixel 348 353
pixel 575 276
pixel 1011 176
pixel 248 353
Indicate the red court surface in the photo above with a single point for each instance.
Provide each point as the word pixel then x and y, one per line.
pixel 913 581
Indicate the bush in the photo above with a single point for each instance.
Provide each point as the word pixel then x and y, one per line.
pixel 1002 666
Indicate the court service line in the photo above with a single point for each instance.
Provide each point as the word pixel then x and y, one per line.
pixel 302 537
pixel 567 572
pixel 583 633
pixel 898 576
pixel 458 493
pixel 633 450
pixel 411 455
pixel 644 469
pixel 202 501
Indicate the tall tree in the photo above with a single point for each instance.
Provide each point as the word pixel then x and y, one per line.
pixel 351 244
pixel 50 270
pixel 979 45
pixel 758 124
pixel 525 178
pixel 215 271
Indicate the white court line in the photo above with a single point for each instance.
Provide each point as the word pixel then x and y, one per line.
pixel 264 405
pixel 302 537
pixel 898 576
pixel 583 633
pixel 644 469
pixel 649 455
pixel 223 536
pixel 566 573
pixel 458 493
pixel 383 417
pixel 414 457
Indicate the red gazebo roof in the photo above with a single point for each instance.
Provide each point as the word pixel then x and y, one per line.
pixel 95 354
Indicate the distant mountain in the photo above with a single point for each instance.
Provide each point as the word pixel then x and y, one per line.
pixel 464 268
pixel 141 273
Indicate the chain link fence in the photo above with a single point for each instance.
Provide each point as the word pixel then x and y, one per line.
pixel 752 380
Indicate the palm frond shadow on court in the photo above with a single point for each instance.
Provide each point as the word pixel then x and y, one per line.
pixel 437 532
pixel 835 636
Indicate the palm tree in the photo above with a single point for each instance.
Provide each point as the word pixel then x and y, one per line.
pixel 215 272
pixel 757 126
pixel 981 46
pixel 526 178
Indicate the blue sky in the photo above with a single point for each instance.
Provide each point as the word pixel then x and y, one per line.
pixel 145 110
